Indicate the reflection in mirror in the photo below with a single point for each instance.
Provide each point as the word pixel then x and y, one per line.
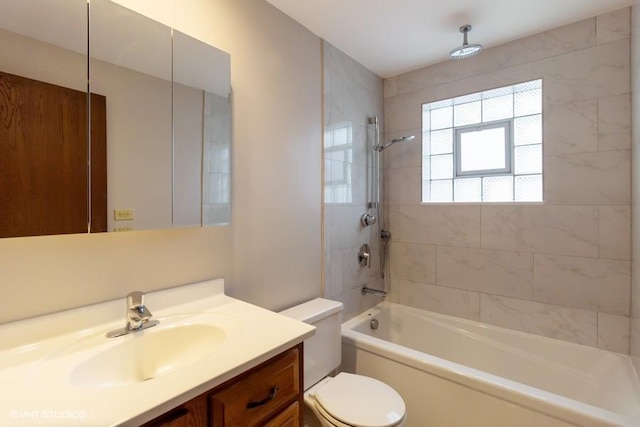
pixel 43 118
pixel 130 65
pixel 138 179
pixel 202 133
pixel 338 161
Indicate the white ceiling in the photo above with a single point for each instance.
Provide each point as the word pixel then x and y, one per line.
pixel 394 36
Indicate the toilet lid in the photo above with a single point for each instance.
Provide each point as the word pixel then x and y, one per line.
pixel 361 401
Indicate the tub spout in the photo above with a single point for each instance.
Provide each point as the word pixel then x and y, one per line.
pixel 366 290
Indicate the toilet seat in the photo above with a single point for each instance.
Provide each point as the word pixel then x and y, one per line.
pixel 328 417
pixel 354 400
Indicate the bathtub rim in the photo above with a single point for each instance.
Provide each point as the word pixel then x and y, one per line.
pixel 548 403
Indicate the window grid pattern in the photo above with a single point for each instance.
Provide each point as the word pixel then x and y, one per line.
pixel 522 104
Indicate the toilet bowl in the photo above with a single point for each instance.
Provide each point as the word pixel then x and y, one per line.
pixel 349 400
pixel 346 400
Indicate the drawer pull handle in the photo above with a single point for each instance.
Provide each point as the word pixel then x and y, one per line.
pixel 264 401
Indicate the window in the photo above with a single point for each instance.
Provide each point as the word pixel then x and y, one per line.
pixel 484 147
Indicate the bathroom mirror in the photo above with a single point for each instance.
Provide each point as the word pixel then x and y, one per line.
pixel 201 126
pixel 153 179
pixel 130 65
pixel 43 145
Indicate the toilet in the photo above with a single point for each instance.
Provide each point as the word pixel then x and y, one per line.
pixel 346 400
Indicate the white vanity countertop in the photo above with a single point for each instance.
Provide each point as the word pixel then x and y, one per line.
pixel 43 360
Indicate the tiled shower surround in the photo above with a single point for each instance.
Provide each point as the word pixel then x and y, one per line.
pixel 560 268
pixel 352 94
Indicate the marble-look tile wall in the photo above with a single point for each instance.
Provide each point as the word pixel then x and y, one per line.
pixel 352 94
pixel 560 268
pixel 635 126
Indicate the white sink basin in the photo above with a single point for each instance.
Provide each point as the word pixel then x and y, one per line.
pixel 148 354
pixel 94 361
pixel 61 369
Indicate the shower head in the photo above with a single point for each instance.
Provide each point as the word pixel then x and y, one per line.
pixel 466 50
pixel 393 141
pixel 403 138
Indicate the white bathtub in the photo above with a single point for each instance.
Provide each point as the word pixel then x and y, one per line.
pixel 459 373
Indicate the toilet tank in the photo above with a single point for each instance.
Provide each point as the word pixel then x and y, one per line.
pixel 321 351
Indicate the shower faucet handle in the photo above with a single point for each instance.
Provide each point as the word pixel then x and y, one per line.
pixel 364 256
pixel 367 219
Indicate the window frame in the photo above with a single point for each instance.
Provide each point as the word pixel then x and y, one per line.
pixel 440 183
pixel 507 125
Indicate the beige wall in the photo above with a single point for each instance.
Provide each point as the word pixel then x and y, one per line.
pixel 635 125
pixel 561 268
pixel 276 68
pixel 271 255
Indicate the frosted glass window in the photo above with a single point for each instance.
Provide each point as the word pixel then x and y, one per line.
pixel 442 191
pixel 440 104
pixel 442 118
pixel 528 188
pixel 527 130
pixel 426 144
pixel 441 141
pixel 483 149
pixel 426 189
pixel 499 92
pixel 527 103
pixel 528 159
pixel 426 117
pixel 426 167
pixel 467 114
pixel 497 108
pixel 497 189
pixel 468 190
pixel 484 146
pixel 442 166
pixel 464 99
pixel 522 87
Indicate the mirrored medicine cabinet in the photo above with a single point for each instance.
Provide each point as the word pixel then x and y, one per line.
pixel 109 121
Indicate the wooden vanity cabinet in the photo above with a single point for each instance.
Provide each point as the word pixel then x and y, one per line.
pixel 269 395
pixel 190 414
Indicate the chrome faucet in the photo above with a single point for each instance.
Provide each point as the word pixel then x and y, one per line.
pixel 366 290
pixel 137 312
pixel 138 316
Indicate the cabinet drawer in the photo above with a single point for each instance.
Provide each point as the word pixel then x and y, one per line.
pixel 191 414
pixel 260 395
pixel 290 417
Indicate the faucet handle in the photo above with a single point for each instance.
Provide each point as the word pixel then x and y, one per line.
pixel 135 299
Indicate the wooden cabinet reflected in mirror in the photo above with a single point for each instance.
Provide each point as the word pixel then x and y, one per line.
pixel 43 159
pixel 140 162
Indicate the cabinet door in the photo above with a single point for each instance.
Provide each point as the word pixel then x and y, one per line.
pixel 290 417
pixel 43 157
pixel 256 398
pixel 191 414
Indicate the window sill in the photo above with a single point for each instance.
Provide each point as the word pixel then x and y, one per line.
pixel 482 203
